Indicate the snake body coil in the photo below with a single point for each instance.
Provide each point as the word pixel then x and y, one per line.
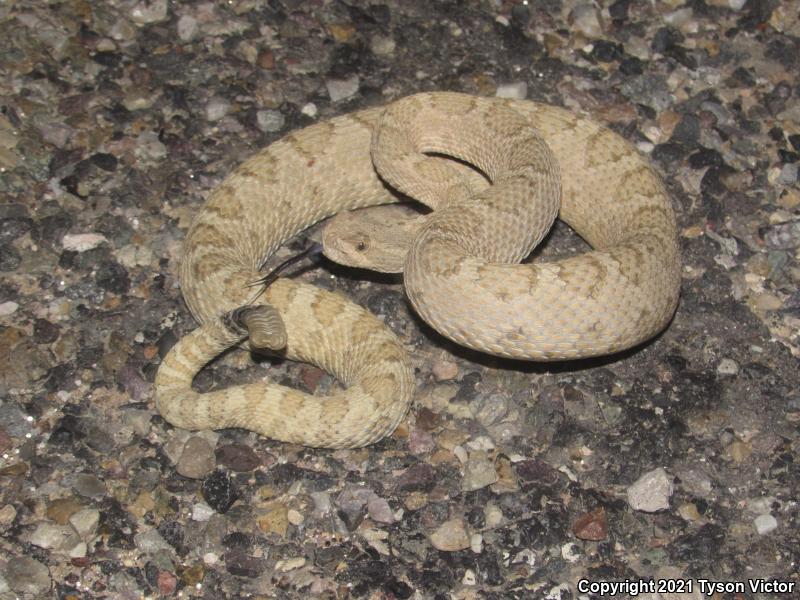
pixel 457 273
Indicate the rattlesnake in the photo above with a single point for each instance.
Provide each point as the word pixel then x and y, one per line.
pixel 603 301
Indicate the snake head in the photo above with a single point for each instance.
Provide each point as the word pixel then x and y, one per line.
pixel 377 238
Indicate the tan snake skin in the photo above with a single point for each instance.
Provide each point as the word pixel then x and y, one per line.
pixel 616 296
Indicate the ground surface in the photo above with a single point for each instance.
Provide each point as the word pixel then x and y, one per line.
pixel 506 480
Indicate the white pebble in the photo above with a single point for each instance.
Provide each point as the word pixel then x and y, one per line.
pixel 217 108
pixel 651 492
pixel 728 366
pixel 309 110
pixel 80 242
pixel 765 524
pixel 187 28
pixel 8 308
pixel 516 91
pixel 341 89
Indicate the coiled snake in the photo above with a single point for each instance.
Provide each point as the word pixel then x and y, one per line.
pixel 461 269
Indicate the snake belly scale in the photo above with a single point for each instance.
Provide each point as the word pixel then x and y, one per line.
pixel 457 273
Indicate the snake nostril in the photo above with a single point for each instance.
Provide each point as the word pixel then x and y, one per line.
pixel 361 246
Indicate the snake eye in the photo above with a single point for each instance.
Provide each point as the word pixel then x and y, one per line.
pixel 361 246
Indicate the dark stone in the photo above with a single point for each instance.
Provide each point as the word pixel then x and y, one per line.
pixel 682 55
pixel 113 277
pixel 420 477
pixel 705 157
pixel 238 457
pixel 687 131
pixel 705 543
pixel 172 532
pixel 468 388
pixel 668 153
pixel 13 227
pixel 711 183
pixel 286 474
pixel 398 589
pixel 489 568
pixel 220 491
pixel 794 140
pixel 9 258
pixel 151 572
pixel 665 38
pixel 788 157
pixel 742 77
pixel 107 59
pixel 45 332
pixel 619 10
pixel 783 50
pixel 237 540
pixel 242 565
pixel 777 98
pixel 606 51
pixel 105 161
pixel 631 66
pixel 53 227
pixel 116 524
pixel 755 14
pixel 535 470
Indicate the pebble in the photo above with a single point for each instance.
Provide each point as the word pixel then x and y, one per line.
pixel 379 510
pixel 187 28
pixel 650 90
pixel 295 517
pixel 382 45
pixel 270 121
pixel 81 242
pixel 570 552
pixel 202 512
pixel 451 536
pixel 765 524
pixel 197 459
pixel 151 541
pixel 492 515
pixel 217 108
pixel 220 491
pixel 490 409
pixel 420 477
pixel 89 486
pixel 586 19
pixel 787 175
pixel 444 369
pixel 7 515
pixel 276 520
pixel 420 442
pixel 651 492
pixel 149 11
pixel 591 526
pixel 341 89
pixel 516 91
pixel 54 537
pixel 8 308
pixel 85 522
pixel 238 457
pixel 479 472
pixel 728 366
pixel 149 147
pixel 783 236
pixel 167 583
pixel 309 109
pixel 27 576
